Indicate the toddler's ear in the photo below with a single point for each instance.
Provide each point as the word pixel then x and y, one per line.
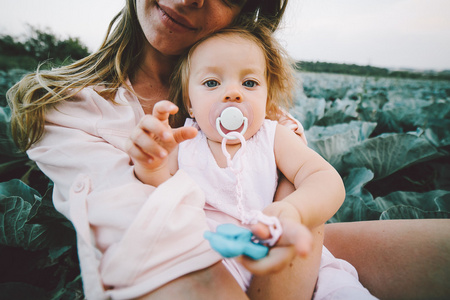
pixel 191 112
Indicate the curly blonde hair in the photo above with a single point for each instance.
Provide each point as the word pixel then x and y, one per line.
pixel 116 61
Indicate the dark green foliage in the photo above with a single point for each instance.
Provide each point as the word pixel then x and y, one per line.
pixel 37 47
pixel 38 254
pixel 19 56
pixel 352 69
pixel 37 244
pixel 388 138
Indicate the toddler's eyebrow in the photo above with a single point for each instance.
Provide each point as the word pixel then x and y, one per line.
pixel 216 70
pixel 204 71
pixel 252 70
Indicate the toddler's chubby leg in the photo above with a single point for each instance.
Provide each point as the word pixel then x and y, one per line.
pixel 214 282
pixel 297 281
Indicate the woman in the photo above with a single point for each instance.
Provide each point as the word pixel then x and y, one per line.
pixel 83 151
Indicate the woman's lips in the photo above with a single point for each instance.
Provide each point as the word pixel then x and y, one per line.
pixel 173 20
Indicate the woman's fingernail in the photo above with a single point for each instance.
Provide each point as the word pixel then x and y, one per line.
pixel 162 154
pixel 166 136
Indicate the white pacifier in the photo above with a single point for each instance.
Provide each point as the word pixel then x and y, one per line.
pixel 231 118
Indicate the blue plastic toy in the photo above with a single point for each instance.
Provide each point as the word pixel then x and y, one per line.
pixel 231 241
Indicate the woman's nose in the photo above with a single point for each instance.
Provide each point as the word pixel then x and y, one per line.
pixel 195 3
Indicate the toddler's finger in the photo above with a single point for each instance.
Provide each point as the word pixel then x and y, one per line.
pixel 163 109
pixel 184 133
pixel 276 260
pixel 147 143
pixel 261 231
pixel 145 149
pixel 151 148
pixel 136 153
pixel 155 129
pixel 297 235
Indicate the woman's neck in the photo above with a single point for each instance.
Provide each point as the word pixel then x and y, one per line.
pixel 151 78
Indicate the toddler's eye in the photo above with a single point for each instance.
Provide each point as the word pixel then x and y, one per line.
pixel 249 83
pixel 211 83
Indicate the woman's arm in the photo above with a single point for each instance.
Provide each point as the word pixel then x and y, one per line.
pixel 132 238
pixel 215 282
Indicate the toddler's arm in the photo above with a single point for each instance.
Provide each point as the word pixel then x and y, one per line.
pixel 318 194
pixel 319 190
pixel 152 143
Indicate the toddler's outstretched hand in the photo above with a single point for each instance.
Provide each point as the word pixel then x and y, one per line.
pixel 295 240
pixel 152 140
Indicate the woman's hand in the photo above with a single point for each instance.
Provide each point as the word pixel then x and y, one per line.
pixel 295 240
pixel 152 140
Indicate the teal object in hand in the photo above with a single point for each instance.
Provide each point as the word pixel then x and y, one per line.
pixel 230 240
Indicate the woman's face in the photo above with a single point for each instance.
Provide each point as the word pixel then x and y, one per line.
pixel 171 26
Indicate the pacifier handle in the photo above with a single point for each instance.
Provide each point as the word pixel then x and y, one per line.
pixel 231 118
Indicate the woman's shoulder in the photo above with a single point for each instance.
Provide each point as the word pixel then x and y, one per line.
pixel 90 110
pixel 96 95
pixel 90 101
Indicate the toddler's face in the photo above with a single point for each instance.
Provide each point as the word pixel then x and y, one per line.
pixel 228 71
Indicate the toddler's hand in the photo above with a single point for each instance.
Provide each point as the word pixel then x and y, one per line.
pixel 295 240
pixel 153 139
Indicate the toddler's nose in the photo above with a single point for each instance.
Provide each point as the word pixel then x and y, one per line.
pixel 233 94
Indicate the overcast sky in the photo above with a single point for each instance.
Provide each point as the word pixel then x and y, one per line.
pixel 384 33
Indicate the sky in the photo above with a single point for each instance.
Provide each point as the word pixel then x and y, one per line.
pixel 413 34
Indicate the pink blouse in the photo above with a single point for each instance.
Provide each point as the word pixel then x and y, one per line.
pixel 132 238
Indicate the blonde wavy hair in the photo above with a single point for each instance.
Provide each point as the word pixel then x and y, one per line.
pixel 279 71
pixel 117 60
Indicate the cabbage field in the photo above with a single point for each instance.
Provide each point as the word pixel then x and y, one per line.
pixel 388 138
